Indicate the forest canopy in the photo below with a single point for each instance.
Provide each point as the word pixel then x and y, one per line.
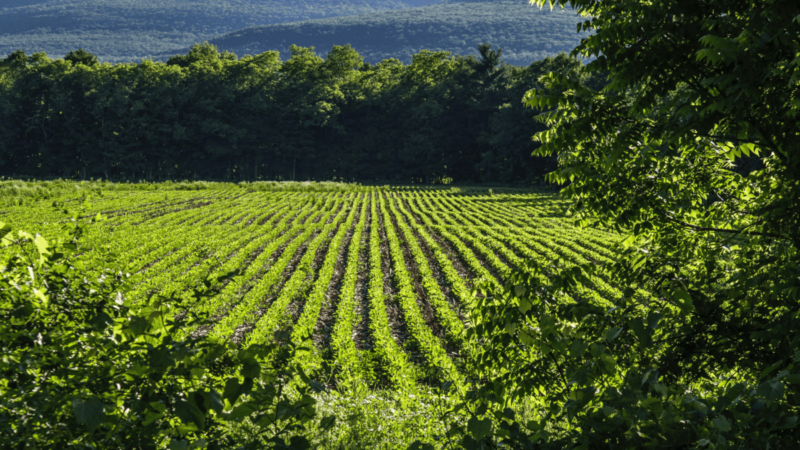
pixel 211 115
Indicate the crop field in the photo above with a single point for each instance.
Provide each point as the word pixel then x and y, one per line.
pixel 376 280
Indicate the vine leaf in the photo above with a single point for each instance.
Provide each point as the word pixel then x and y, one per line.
pixel 479 428
pixel 90 413
pixel 721 423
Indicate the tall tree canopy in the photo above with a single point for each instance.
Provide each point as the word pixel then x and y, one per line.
pixel 691 149
pixel 211 115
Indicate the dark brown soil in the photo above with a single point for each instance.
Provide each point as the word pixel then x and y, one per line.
pixel 361 335
pixel 416 280
pixel 335 213
pixel 437 274
pixel 205 216
pixel 241 332
pixel 297 305
pixel 327 317
pixel 394 313
pixel 262 220
pixel 245 288
pixel 456 259
pixel 164 211
pixel 481 259
pixel 146 207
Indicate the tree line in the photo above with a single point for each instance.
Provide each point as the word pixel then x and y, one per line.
pixel 211 115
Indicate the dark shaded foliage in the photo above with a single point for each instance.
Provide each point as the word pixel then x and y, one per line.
pixel 211 115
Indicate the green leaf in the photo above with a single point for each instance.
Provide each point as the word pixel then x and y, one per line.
pixel 43 247
pixel 316 386
pixel 189 413
pixel 721 423
pixel 200 443
pixel 137 325
pixel 5 230
pixel 577 348
pixel 23 311
pixel 771 390
pixel 792 378
pixel 161 359
pixel 251 370
pixel 178 444
pixel 609 365
pixel 770 369
pixel 90 412
pixel 418 445
pixel 684 301
pixel 642 332
pixel 789 422
pixel 526 338
pixel 479 428
pixel 613 333
pixel 150 417
pixel 327 422
pixel 524 305
pixel 264 420
pixel 298 443
pixel 101 321
pixel 187 428
pixel 653 318
pixel 232 390
pixel 212 401
pixel 511 327
pixel 242 411
pixel 547 325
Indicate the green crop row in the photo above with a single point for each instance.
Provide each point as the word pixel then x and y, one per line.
pixel 344 349
pixel 420 331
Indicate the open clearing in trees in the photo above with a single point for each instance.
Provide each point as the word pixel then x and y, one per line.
pixel 377 280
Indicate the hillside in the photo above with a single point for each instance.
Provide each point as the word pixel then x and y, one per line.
pixel 525 33
pixel 128 30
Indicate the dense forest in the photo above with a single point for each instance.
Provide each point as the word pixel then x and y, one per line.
pixel 131 30
pixel 210 115
pixel 524 32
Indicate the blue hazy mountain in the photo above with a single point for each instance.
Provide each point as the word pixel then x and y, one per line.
pixel 524 32
pixel 126 30
pixel 130 30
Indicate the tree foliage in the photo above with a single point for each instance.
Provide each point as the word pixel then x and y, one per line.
pixel 710 358
pixel 211 115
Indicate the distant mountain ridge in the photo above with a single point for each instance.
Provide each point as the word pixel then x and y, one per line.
pixel 524 32
pixel 128 30
pixel 132 30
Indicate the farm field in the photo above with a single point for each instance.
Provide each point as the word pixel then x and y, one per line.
pixel 378 278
